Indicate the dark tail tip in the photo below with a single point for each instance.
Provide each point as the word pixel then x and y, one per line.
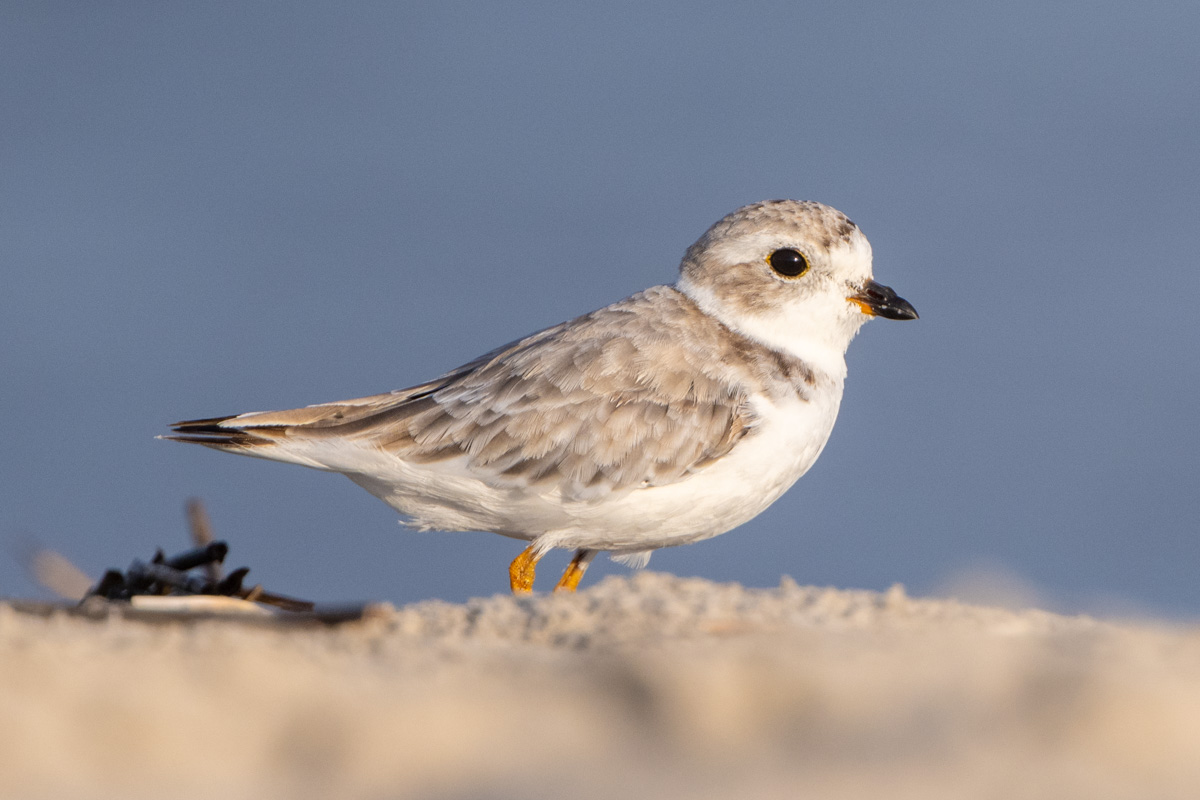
pixel 210 432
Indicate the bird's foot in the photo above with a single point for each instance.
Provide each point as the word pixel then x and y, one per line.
pixel 522 570
pixel 579 564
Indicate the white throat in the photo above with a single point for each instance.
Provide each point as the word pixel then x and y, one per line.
pixel 816 331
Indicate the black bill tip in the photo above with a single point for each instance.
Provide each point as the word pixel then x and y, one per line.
pixel 880 301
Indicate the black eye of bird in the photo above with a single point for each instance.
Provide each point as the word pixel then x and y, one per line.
pixel 789 263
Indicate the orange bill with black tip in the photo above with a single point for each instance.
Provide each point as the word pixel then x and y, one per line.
pixel 881 301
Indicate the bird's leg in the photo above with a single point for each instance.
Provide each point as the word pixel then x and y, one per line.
pixel 521 571
pixel 575 570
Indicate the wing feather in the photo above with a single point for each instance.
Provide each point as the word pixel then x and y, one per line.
pixel 641 393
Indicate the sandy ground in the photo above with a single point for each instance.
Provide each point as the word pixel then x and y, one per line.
pixel 651 686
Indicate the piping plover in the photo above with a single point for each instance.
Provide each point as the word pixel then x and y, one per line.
pixel 666 418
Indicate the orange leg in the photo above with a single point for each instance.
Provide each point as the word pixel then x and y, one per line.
pixel 575 570
pixel 521 571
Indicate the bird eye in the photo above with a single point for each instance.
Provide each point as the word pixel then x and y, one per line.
pixel 788 263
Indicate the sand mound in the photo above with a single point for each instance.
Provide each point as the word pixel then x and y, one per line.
pixel 652 686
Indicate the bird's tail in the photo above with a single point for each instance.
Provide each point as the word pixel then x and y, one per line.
pixel 308 436
pixel 223 433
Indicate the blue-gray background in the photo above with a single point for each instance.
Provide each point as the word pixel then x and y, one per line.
pixel 213 208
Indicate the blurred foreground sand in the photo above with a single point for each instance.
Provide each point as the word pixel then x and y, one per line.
pixel 651 686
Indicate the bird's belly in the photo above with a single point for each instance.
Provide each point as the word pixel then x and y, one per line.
pixel 786 440
pixel 784 444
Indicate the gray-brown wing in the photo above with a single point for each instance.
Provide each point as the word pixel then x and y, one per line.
pixel 607 402
pixel 634 394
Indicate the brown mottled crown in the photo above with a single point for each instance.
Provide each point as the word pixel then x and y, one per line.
pixel 822 224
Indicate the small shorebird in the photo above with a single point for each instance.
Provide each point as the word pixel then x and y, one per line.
pixel 666 418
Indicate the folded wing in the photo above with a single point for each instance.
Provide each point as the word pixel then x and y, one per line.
pixel 576 408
